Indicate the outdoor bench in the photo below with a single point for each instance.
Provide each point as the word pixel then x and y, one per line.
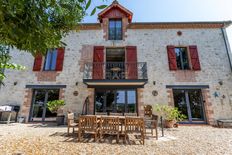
pixel 221 122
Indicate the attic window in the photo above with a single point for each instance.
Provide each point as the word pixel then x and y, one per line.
pixel 115 29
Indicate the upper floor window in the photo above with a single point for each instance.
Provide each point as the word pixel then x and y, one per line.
pixel 50 60
pixel 115 29
pixel 182 58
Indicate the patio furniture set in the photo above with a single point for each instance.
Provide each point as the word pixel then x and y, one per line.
pixel 114 124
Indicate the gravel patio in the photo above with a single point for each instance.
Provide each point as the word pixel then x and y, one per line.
pixel 36 139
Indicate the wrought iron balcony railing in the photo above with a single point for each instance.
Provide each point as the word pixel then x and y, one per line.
pixel 115 70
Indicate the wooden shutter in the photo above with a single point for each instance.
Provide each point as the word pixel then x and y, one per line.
pixel 171 57
pixel 131 62
pixel 60 59
pixel 194 58
pixel 98 62
pixel 38 62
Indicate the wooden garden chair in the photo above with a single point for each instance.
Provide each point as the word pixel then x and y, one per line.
pixel 135 125
pixel 131 114
pixel 152 124
pixel 109 125
pixel 88 124
pixel 71 122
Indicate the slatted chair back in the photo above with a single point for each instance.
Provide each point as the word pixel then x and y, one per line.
pixel 70 118
pixel 156 119
pixel 100 113
pixel 147 110
pixel 130 114
pixel 109 124
pixel 134 124
pixel 88 123
pixel 116 114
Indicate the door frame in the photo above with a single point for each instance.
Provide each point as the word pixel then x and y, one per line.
pixel 190 119
pixel 117 89
pixel 34 93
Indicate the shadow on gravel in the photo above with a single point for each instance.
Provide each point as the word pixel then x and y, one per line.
pixel 63 134
pixel 46 125
pixel 107 139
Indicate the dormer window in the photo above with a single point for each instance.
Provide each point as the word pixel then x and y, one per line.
pixel 115 29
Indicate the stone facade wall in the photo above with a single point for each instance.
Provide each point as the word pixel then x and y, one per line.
pixel 151 48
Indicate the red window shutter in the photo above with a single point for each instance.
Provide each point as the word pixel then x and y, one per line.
pixel 60 59
pixel 171 57
pixel 131 62
pixel 194 58
pixel 98 62
pixel 38 62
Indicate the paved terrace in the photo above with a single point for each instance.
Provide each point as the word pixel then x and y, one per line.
pixel 36 139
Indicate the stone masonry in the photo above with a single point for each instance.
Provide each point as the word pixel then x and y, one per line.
pixel 151 48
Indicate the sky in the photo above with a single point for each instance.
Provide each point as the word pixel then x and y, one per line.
pixel 173 11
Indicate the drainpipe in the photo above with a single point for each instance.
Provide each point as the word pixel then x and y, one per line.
pixel 227 45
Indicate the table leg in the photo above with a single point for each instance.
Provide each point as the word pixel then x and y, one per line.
pixel 162 127
pixel 9 118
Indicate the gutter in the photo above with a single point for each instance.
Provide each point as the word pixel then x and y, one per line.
pixel 227 45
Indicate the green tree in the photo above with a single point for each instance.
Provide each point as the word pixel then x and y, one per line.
pixel 37 25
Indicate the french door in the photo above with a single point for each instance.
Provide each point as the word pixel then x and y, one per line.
pixel 190 103
pixel 39 110
pixel 113 100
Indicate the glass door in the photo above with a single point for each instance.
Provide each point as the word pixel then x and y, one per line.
pixel 131 101
pixel 196 105
pixel 38 105
pixel 39 110
pixel 110 101
pixel 51 96
pixel 119 101
pixel 190 103
pixel 180 102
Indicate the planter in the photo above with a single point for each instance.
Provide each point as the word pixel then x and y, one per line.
pixel 169 124
pixel 21 119
pixel 60 120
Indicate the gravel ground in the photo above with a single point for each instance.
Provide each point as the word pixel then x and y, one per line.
pixel 51 140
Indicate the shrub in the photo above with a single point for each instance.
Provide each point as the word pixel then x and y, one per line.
pixel 55 105
pixel 170 113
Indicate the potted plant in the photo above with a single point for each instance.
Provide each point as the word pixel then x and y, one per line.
pixel 54 106
pixel 171 115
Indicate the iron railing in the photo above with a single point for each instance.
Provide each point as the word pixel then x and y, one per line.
pixel 115 70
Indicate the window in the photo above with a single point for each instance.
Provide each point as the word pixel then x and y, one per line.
pixel 115 29
pixel 182 61
pixel 50 60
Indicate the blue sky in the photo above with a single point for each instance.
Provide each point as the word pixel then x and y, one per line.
pixel 174 11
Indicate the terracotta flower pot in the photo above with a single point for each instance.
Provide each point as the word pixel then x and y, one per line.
pixel 169 123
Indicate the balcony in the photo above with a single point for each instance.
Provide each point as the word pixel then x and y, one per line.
pixel 115 73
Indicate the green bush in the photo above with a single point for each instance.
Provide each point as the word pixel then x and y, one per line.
pixel 170 113
pixel 55 105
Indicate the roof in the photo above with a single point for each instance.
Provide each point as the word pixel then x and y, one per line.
pixel 164 25
pixel 115 4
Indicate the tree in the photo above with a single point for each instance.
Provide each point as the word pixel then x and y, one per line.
pixel 37 25
pixel 5 64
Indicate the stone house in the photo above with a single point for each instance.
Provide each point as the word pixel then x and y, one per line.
pixel 122 66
